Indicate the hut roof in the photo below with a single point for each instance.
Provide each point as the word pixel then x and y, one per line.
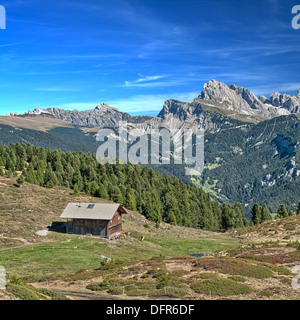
pixel 94 211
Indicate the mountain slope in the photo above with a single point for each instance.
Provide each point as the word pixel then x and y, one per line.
pixel 256 163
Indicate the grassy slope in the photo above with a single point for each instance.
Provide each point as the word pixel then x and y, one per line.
pixel 69 262
pixel 34 123
pixel 25 210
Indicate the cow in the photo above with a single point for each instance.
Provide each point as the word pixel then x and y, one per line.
pixel 122 236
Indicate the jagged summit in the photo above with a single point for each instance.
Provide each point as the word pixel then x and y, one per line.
pixel 104 107
pixel 242 101
pixel 232 100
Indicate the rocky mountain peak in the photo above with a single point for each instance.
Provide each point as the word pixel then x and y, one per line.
pixel 104 107
pixel 234 98
pixel 286 102
pixel 242 101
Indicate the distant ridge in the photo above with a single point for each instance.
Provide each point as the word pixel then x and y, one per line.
pixel 102 115
pixel 233 101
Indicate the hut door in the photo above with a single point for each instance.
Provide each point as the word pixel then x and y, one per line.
pixel 103 232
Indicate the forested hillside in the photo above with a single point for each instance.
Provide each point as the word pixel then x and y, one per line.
pixel 157 196
pixel 247 163
pixel 255 163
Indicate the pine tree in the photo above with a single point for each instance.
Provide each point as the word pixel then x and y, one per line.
pixel 115 194
pixel 20 180
pixel 282 212
pixel 152 207
pixel 240 220
pixel 265 213
pixel 102 192
pixel 30 175
pixel 256 214
pixel 75 190
pixel 94 188
pixel 50 184
pixel 298 210
pixel 129 202
pixel 228 216
pixel 291 213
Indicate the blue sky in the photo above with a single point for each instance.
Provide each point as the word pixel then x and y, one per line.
pixel 135 54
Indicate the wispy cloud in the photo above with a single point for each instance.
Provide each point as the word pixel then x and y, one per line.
pixel 10 44
pixel 148 81
pixel 54 89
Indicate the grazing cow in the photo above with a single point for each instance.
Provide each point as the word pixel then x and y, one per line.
pixel 142 238
pixel 122 236
pixel 127 233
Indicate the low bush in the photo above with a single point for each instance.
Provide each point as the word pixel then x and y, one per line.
pixel 22 292
pixel 266 293
pixel 115 291
pixel 207 275
pixel 175 292
pixel 137 292
pixel 220 287
pixel 52 294
pixel 178 273
pixel 237 278
pixel 104 285
pixel 238 267
pixel 286 281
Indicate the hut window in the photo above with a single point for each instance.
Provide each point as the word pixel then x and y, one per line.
pixel 91 206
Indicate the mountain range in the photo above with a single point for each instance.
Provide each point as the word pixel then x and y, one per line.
pixel 252 143
pixel 232 100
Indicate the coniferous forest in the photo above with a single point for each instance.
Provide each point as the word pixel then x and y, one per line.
pixel 157 196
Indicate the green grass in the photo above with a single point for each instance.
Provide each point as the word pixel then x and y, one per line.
pixel 179 247
pixel 66 254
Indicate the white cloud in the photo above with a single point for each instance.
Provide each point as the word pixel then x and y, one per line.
pixel 147 81
pixel 149 104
